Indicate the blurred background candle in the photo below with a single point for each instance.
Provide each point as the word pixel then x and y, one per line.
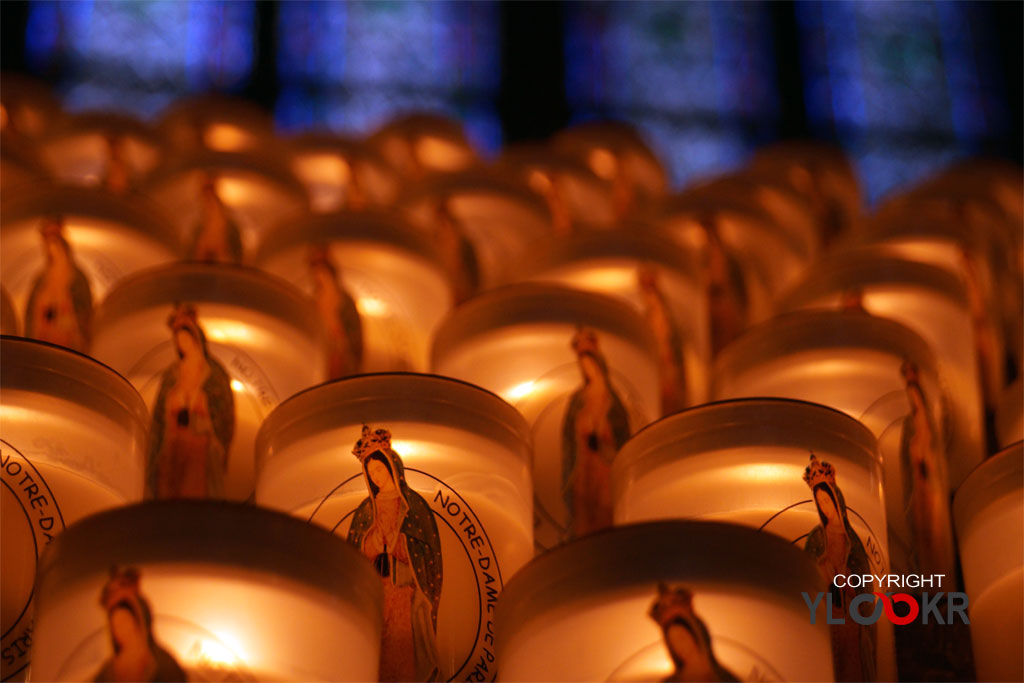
pixel 821 173
pixel 618 154
pixel 419 144
pixel 779 466
pixel 649 271
pixel 212 349
pixel 9 323
pixel 70 245
pixel 676 600
pixel 101 149
pixel 72 442
pixel 857 363
pixel 391 272
pixel 342 173
pixel 29 108
pixel 223 204
pixel 1010 415
pixel 482 223
pixel 581 368
pixel 216 123
pixel 989 511
pixel 931 302
pixel 454 461
pixel 204 591
pixel 577 197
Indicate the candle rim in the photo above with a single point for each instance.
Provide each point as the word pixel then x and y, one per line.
pixel 634 555
pixel 380 398
pixel 996 476
pixel 369 225
pixel 870 266
pixel 209 283
pixel 534 303
pixel 814 330
pixel 218 533
pixel 45 368
pixel 134 212
pixel 742 423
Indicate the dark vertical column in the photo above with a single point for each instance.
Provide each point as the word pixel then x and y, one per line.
pixel 1008 18
pixel 789 73
pixel 263 86
pixel 532 102
pixel 13 24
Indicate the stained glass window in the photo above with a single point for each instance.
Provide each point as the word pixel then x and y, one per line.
pixel 905 86
pixel 138 55
pixel 697 78
pixel 349 66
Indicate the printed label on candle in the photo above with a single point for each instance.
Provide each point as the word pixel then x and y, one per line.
pixel 839 550
pixel 437 566
pixel 595 426
pixel 689 649
pixel 665 329
pixel 31 517
pixel 339 315
pixel 193 418
pixel 59 307
pixel 138 642
pixel 217 238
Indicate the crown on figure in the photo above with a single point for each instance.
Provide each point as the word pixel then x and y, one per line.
pixel 53 226
pixel 584 341
pixel 818 472
pixel 372 440
pixel 122 586
pixel 184 317
pixel 673 602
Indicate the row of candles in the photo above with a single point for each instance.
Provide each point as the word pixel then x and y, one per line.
pixel 520 513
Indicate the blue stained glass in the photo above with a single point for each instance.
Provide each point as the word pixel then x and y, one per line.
pixel 697 78
pixel 351 66
pixel 906 86
pixel 138 55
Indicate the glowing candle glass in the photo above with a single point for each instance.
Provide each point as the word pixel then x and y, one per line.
pixel 779 466
pixel 880 373
pixel 216 123
pixel 212 349
pixel 576 196
pixel 204 590
pixel 989 512
pixel 436 490
pixel 101 149
pixel 340 173
pixel 483 225
pixel 107 238
pixel 931 302
pixel 618 154
pixel 223 204
pixel 658 278
pixel 393 274
pixel 580 367
pixel 420 144
pixel 29 107
pixel 72 442
pixel 685 601
pixel 1010 415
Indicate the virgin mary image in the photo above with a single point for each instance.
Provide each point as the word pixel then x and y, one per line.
pixel 924 482
pixel 136 654
pixel 338 312
pixel 60 304
pixel 595 427
pixel 666 335
pixel 686 637
pixel 727 291
pixel 395 528
pixel 193 418
pixel 838 550
pixel 217 238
